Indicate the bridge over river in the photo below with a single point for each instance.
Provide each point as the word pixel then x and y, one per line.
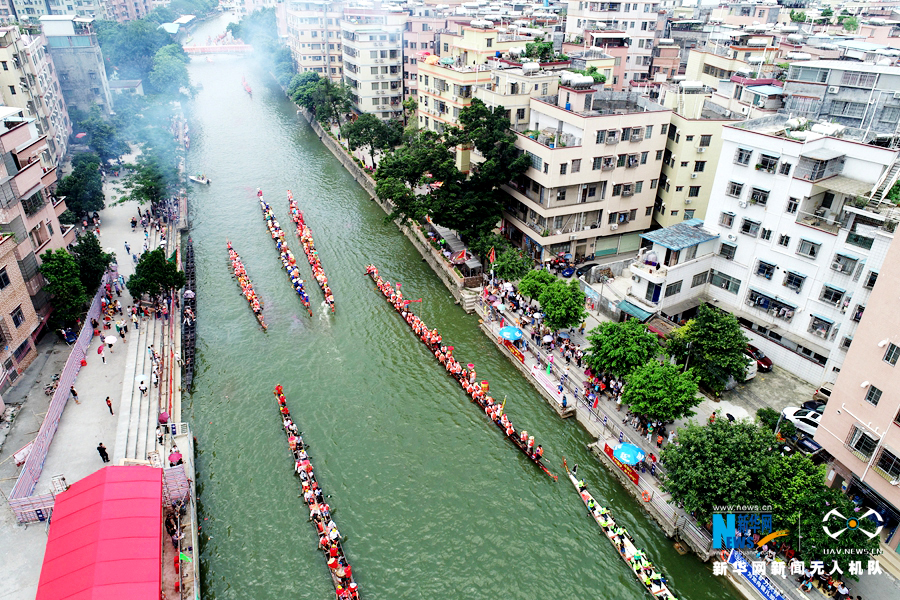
pixel 219 49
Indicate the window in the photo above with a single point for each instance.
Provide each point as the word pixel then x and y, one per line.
pixel 750 228
pixel 4 278
pixel 562 168
pixel 18 317
pixel 726 219
pixel 726 282
pixel 793 280
pixel 520 114
pixel 673 288
pixel 536 161
pixel 700 279
pixel 852 110
pixel 843 264
pixel 626 134
pixel 784 240
pixel 617 189
pixel 592 191
pixel 598 163
pixel 601 136
pixel 664 128
pixel 705 141
pixel 688 214
pixel 654 183
pixel 764 269
pixel 727 250
pixel 648 211
pixel 659 154
pixel 576 165
pixel 766 234
pixel 831 295
pixel 808 248
pixel 742 156
pixel 845 342
pixel 638 187
pixel 784 168
pixel 678 188
pixel 734 189
pixel 820 326
pixel 694 191
pixel 861 444
pixel 892 354
pixel 5 66
pixel 888 465
pixel 758 196
pixel 767 163
pixel 620 162
pixel 12 90
pixel 699 166
pixel 561 196
pixel 684 163
pixel 870 281
pixel 873 395
pixel 644 157
pixel 648 132
pixel 792 205
pixel 859 79
pixel 613 217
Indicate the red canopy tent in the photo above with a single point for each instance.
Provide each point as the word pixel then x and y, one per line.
pixel 105 538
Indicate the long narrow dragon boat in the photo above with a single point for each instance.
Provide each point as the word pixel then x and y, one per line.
pixel 246 86
pixel 309 248
pixel 320 514
pixel 466 377
pixel 288 262
pixel 636 559
pixel 240 273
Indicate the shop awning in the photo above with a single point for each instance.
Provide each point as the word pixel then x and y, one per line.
pixel 635 311
pixel 105 540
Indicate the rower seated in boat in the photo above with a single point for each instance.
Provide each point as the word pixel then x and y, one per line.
pixel 581 486
pixel 538 453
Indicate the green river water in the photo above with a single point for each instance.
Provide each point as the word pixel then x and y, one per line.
pixel 436 504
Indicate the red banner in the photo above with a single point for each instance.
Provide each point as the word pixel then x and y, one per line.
pixel 627 469
pixel 514 351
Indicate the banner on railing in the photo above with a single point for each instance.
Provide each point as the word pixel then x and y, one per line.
pixel 627 469
pixel 514 351
pixel 760 583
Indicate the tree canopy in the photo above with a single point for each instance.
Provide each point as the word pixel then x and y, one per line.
pixel 713 344
pixel 368 131
pixel 620 348
pixel 851 24
pixel 154 275
pixel 169 75
pixel 92 261
pixel 511 264
pixel 64 284
pixel 324 98
pixel 130 47
pixel 83 189
pixel 661 391
pixel 535 282
pixel 718 464
pixel 102 137
pixel 562 304
pixel 148 180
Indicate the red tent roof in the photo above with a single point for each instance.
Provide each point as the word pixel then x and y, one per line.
pixel 105 538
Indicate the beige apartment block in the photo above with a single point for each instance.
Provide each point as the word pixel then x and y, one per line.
pixel 514 87
pixel 861 424
pixel 372 43
pixel 748 55
pixel 595 163
pixel 314 36
pixel 693 144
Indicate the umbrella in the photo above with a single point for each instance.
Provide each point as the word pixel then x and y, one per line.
pixel 562 335
pixel 175 457
pixel 628 454
pixel 568 257
pixel 110 339
pixel 511 333
pixel 188 294
pixel 497 304
pixel 163 417
pixel 80 135
pixel 548 338
pixel 447 61
pixel 492 298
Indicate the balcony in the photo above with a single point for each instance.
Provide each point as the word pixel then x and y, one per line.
pixel 652 273
pixel 819 220
pixel 819 164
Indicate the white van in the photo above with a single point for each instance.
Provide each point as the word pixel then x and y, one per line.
pixel 749 374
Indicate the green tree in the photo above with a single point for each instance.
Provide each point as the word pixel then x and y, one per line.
pixel 661 391
pixel 850 24
pixel 325 99
pixel 535 282
pixel 591 72
pixel 83 189
pixel 769 417
pixel 511 264
pixel 92 261
pixel 169 74
pixel 718 464
pixel 148 180
pixel 539 50
pixel 713 344
pixel 798 16
pixel 102 136
pixel 130 47
pixel 827 12
pixel 621 348
pixel 562 304
pixel 154 275
pixel 63 283
pixel 368 131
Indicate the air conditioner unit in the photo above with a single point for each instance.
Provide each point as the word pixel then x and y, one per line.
pixel 745 110
pixel 614 226
pixel 732 237
pixel 687 200
pixel 572 238
pixel 837 267
pixel 833 89
pixel 742 204
pixel 693 176
pixel 896 95
pixel 701 150
pixel 635 278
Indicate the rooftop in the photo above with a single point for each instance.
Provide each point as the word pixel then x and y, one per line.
pixel 681 235
pixel 608 102
pixel 849 65
pixel 781 125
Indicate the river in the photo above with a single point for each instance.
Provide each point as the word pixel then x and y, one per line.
pixel 435 503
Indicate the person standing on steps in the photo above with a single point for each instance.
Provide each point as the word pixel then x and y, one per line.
pixel 109 404
pixel 143 388
pixel 74 394
pixel 101 449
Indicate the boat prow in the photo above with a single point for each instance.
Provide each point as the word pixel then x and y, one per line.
pixel 199 179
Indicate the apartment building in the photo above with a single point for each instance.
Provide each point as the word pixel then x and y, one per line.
pixel 447 83
pixel 29 222
pixel 798 249
pixel 746 55
pixel 127 10
pixel 746 13
pixel 420 39
pixel 693 145
pixel 597 49
pixel 29 81
pixel 514 87
pixel 314 36
pixel 665 60
pixel 372 44
pixel 595 163
pixel 861 95
pixel 642 22
pixel 860 427
pixel 78 60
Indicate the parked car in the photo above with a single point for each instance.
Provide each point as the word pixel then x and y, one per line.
pixel 763 362
pixel 749 374
pixel 823 393
pixel 804 420
pixel 814 405
pixel 584 269
pixel 568 272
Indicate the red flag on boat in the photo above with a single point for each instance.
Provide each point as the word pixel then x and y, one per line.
pixel 493 255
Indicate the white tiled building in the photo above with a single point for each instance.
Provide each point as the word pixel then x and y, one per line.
pixel 797 251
